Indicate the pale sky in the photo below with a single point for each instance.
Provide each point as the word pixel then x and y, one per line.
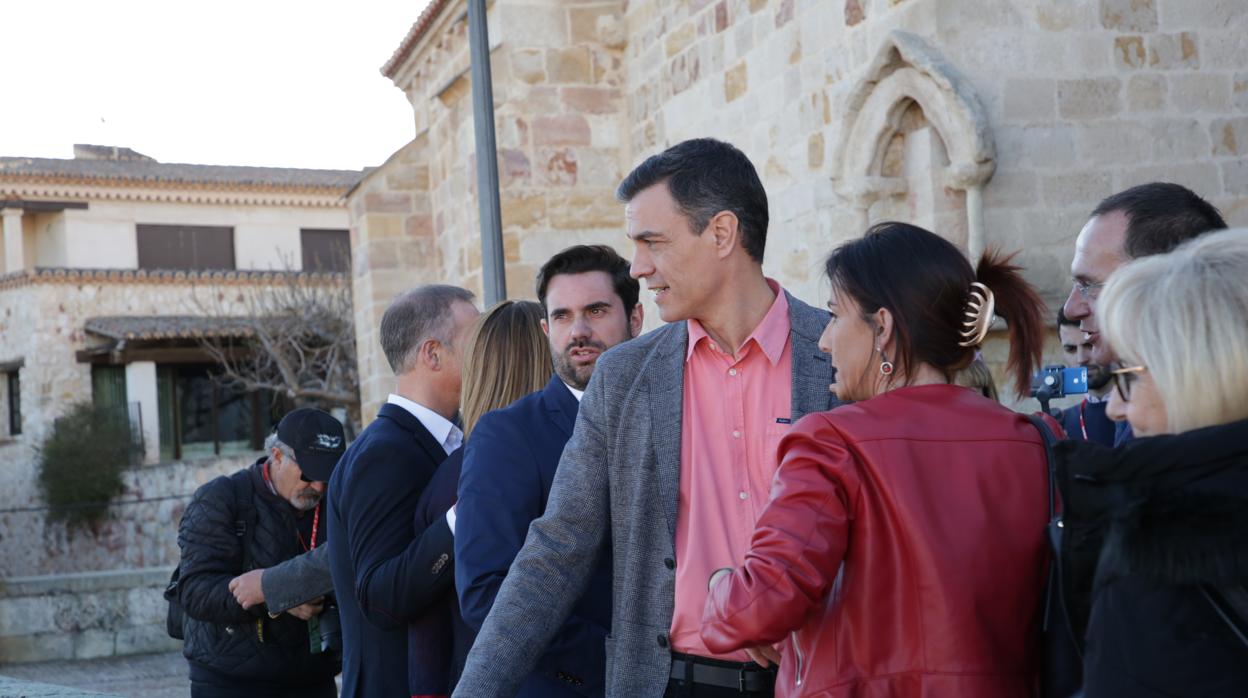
pixel 261 82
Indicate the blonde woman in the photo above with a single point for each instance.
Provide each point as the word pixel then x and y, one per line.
pixel 1168 612
pixel 505 358
pixel 978 377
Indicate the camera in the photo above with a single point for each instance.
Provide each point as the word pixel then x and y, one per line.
pixel 1058 381
pixel 331 628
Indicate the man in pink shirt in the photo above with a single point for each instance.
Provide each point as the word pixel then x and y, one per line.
pixel 674 447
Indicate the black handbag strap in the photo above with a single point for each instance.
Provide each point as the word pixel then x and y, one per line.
pixel 1047 436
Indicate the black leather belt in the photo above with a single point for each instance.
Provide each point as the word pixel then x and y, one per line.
pixel 746 678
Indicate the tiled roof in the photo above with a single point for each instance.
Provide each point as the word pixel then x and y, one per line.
pixel 207 277
pixel 139 328
pixel 136 170
pixel 430 13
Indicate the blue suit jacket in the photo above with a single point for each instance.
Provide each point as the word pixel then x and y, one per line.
pixel 438 640
pixel 374 554
pixel 509 464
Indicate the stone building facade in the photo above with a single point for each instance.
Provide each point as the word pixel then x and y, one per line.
pixel 112 263
pixel 998 124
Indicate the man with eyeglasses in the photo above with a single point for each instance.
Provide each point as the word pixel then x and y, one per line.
pixel 1144 220
pixel 259 517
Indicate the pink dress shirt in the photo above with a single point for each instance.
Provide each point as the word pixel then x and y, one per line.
pixel 734 413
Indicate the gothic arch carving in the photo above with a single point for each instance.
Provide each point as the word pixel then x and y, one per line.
pixel 908 71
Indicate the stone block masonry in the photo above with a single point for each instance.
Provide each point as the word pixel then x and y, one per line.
pixel 1077 99
pixel 83 616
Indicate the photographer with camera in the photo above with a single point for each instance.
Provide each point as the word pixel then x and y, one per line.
pixel 256 518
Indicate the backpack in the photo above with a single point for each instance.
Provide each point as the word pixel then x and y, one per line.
pixel 244 528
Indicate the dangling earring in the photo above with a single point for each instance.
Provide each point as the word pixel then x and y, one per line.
pixel 886 366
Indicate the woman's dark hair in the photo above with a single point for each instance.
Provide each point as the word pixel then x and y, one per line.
pixel 925 282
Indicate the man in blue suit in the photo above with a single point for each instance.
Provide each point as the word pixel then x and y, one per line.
pixel 377 484
pixel 509 463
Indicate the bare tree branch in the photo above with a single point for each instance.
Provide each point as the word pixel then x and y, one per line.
pixel 298 339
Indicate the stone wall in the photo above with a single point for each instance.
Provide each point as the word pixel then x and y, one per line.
pixel 1080 98
pixel 41 322
pixel 558 88
pixel 84 616
pixel 997 124
pixel 140 531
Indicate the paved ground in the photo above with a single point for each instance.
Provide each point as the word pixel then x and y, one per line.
pixel 142 676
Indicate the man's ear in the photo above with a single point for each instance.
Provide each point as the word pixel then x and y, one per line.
pixel 545 327
pixel 726 232
pixel 636 319
pixel 430 354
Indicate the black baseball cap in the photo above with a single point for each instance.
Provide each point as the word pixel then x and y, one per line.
pixel 316 438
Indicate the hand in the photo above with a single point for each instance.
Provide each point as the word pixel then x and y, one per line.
pixel 763 655
pixel 247 590
pixel 307 610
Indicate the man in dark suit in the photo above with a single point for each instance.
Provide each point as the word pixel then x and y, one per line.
pixel 509 464
pixel 1086 421
pixel 376 486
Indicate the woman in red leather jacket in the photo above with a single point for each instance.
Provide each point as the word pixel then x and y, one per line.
pixel 902 552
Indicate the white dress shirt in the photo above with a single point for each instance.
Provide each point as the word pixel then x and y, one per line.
pixel 449 436
pixel 578 394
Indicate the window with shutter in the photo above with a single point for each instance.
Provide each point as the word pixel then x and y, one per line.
pixel 325 249
pixel 185 246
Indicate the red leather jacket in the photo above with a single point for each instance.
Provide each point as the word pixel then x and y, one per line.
pixel 902 552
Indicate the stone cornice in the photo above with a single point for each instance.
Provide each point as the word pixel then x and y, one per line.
pixel 414 35
pixel 88 189
pixel 62 275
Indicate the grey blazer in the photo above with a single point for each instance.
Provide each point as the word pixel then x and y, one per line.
pixel 618 480
pixel 298 580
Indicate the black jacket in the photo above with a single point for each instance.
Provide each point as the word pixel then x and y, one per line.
pixel 224 643
pixel 1154 525
pixel 382 575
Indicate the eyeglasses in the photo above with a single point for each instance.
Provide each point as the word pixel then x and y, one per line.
pixel 1088 291
pixel 1124 377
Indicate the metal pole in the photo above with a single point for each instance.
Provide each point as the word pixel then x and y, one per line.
pixel 492 276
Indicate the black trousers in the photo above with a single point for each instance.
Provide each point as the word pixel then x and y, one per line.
pixel 242 690
pixel 677 688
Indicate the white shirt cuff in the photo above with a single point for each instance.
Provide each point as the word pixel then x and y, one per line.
pixel 450 519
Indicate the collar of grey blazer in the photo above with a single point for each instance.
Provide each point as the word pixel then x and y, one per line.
pixel 812 373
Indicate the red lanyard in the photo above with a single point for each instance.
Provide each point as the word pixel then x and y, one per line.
pixel 1083 424
pixel 316 515
pixel 316 520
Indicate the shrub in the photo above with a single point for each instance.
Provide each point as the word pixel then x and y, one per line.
pixel 81 462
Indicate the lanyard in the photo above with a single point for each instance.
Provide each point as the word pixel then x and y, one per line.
pixel 316 515
pixel 316 520
pixel 1083 423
